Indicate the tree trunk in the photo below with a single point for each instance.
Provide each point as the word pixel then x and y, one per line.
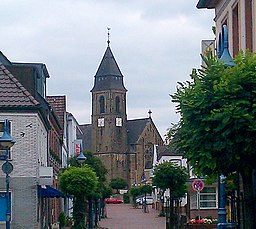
pixel 249 211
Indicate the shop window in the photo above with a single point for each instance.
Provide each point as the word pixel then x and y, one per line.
pixel 208 199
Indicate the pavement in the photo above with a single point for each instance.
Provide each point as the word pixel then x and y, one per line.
pixel 125 216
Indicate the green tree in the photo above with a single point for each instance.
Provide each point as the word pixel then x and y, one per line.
pixel 170 176
pixel 118 183
pixel 134 192
pixel 173 177
pixel 98 167
pixel 217 130
pixel 80 183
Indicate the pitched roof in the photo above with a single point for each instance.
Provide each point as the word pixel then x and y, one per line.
pixel 12 92
pixel 163 150
pixel 86 136
pixel 4 60
pixel 135 128
pixel 108 75
pixel 58 103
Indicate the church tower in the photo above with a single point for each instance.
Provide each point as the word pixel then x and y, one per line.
pixel 109 118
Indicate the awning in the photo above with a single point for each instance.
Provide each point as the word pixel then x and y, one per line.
pixel 46 191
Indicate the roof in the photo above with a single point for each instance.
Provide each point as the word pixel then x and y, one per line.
pixel 58 103
pixel 86 136
pixel 40 68
pixel 163 150
pixel 108 75
pixel 135 128
pixel 12 92
pixel 209 4
pixel 4 60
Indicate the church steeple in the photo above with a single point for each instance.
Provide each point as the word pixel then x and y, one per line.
pixel 108 75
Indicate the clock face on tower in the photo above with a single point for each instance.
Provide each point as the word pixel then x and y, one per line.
pixel 118 121
pixel 100 122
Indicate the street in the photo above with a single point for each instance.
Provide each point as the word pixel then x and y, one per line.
pixel 124 216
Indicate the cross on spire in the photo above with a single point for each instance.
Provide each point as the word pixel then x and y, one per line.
pixel 108 35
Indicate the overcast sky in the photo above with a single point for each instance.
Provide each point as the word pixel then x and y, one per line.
pixel 156 43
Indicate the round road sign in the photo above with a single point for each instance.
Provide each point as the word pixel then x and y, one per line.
pixel 7 167
pixel 198 185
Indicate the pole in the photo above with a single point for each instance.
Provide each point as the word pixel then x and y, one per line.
pixel 8 205
pixel 198 204
pixel 222 223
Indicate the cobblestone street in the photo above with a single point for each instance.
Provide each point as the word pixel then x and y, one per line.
pixel 124 216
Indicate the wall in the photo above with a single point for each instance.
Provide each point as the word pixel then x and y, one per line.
pixel 29 151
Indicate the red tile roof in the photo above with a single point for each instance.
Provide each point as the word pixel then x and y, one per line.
pixel 12 92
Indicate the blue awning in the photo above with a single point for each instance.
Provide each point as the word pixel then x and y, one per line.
pixel 47 191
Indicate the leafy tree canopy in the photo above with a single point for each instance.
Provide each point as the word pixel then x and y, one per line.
pixel 77 181
pixel 169 175
pixel 217 130
pixel 118 183
pixel 145 189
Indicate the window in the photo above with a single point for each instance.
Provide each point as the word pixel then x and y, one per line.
pixel 102 104
pixel 208 198
pixel 235 28
pixel 248 24
pixel 3 206
pixel 2 149
pixel 117 104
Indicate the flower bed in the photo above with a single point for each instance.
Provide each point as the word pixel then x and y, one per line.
pixel 201 223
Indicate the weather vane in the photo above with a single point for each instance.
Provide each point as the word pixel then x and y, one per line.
pixel 108 35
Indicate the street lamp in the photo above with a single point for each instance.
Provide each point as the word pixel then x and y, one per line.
pixel 6 141
pixel 81 158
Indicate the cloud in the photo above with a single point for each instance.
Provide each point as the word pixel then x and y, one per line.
pixel 156 44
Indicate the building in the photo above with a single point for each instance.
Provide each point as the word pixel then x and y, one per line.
pixel 236 20
pixel 23 103
pixel 207 201
pixel 124 146
pixel 239 16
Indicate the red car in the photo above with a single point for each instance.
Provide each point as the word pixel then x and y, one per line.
pixel 113 201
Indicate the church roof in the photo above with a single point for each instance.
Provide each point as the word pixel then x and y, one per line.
pixel 86 136
pixel 108 75
pixel 12 92
pixel 135 128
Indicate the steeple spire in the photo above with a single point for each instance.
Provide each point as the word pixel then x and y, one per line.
pixel 108 35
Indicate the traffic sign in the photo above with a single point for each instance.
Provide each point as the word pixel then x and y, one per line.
pixel 7 167
pixel 198 185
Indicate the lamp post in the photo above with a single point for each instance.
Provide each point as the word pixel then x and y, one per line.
pixel 81 158
pixel 6 141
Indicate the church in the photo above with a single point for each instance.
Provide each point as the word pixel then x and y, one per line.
pixel 126 147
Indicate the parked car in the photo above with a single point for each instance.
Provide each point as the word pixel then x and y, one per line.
pixel 113 201
pixel 141 200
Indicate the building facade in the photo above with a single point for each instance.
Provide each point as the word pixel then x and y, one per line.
pixel 239 16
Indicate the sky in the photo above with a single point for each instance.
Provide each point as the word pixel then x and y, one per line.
pixel 156 44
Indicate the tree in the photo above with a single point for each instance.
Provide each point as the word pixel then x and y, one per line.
pixel 170 176
pixel 173 177
pixel 134 192
pixel 118 183
pixel 217 130
pixel 80 183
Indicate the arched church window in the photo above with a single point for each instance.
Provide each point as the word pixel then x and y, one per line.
pixel 102 104
pixel 117 104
